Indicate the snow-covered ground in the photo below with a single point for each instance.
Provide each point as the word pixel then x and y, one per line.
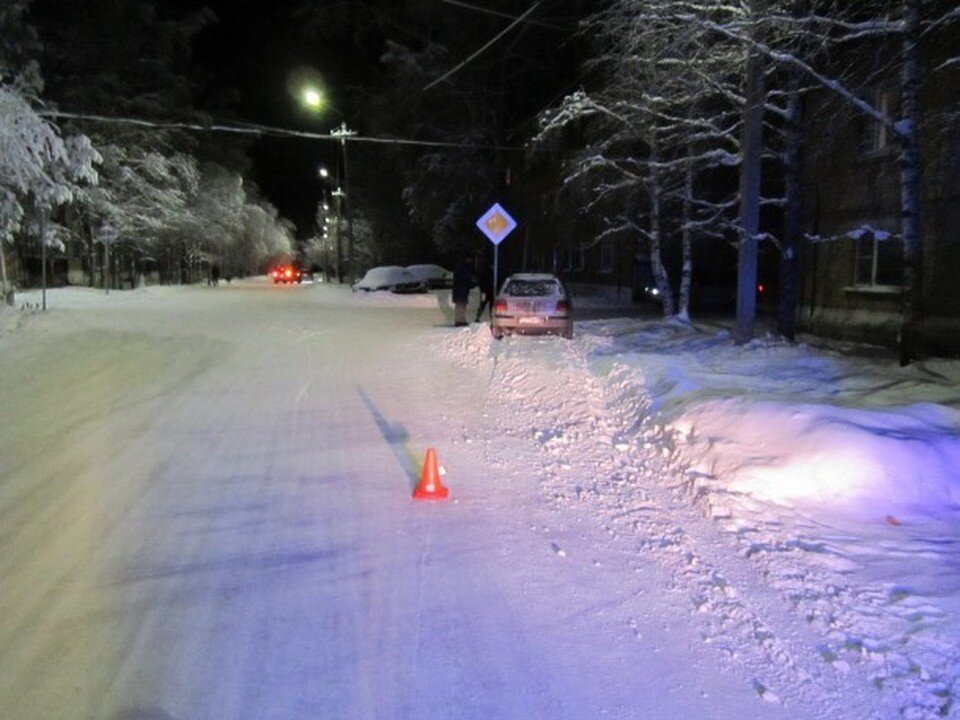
pixel 647 521
pixel 836 479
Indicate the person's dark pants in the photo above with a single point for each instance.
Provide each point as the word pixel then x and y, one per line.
pixel 460 314
pixel 484 305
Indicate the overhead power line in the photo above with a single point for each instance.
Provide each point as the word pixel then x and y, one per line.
pixel 508 16
pixel 268 131
pixel 486 45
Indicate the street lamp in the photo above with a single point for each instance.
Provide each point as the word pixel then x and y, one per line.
pixel 323 219
pixel 312 98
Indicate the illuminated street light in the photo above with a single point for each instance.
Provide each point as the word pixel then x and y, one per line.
pixel 312 98
pixel 322 220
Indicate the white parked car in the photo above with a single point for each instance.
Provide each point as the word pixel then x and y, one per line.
pixel 389 277
pixel 434 276
pixel 532 304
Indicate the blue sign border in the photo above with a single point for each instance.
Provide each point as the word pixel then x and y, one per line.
pixel 496 238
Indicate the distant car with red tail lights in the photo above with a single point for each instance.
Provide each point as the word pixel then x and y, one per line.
pixel 532 304
pixel 286 274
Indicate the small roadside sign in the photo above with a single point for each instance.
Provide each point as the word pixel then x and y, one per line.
pixel 107 234
pixel 496 223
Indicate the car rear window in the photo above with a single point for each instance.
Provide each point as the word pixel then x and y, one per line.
pixel 532 288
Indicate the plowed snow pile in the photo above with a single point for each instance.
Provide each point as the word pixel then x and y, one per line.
pixel 761 477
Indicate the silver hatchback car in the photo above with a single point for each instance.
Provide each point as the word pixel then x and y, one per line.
pixel 532 304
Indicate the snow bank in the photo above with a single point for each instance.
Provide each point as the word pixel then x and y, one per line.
pixel 761 476
pixel 871 464
pixel 791 425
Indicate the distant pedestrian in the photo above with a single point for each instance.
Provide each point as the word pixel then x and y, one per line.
pixel 485 281
pixel 463 280
pixel 215 275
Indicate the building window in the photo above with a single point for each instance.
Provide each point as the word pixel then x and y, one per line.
pixel 879 260
pixel 606 256
pixel 887 101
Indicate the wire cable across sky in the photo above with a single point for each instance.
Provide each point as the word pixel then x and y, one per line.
pixel 267 131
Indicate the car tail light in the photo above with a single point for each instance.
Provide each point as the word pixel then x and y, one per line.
pixel 500 306
pixel 563 306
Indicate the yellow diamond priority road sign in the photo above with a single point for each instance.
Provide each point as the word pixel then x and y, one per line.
pixel 496 223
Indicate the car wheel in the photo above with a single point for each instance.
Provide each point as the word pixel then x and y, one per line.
pixel 496 332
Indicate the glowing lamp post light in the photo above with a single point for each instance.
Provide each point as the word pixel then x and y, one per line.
pixel 312 98
pixel 323 219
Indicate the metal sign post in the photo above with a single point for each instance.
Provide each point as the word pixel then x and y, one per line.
pixel 496 224
pixel 43 257
pixel 106 235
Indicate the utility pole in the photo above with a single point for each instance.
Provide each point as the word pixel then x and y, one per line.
pixel 338 194
pixel 751 147
pixel 43 257
pixel 343 133
pixel 107 235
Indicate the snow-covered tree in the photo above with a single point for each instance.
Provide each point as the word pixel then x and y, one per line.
pixel 796 46
pixel 217 210
pixel 229 223
pixel 267 238
pixel 143 195
pixel 37 166
pixel 659 117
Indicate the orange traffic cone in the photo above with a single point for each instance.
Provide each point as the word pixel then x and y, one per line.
pixel 430 487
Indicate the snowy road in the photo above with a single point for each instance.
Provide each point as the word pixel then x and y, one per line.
pixel 205 512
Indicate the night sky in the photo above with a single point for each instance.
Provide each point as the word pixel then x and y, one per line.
pixel 252 54
pixel 246 63
pixel 258 49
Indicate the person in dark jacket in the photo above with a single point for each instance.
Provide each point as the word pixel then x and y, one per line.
pixel 463 280
pixel 485 281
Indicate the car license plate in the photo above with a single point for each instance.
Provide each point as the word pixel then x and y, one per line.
pixel 531 320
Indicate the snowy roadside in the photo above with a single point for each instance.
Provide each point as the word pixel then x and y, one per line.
pixel 803 503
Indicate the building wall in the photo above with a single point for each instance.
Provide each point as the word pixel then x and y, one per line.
pixel 849 183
